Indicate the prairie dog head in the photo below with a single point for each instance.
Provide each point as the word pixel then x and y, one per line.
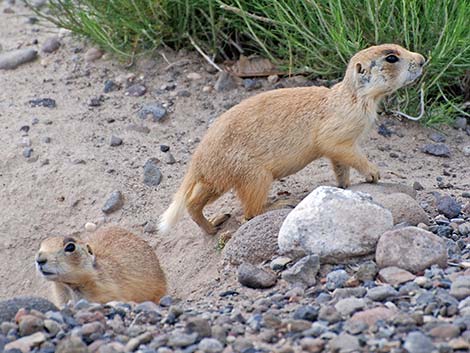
pixel 65 260
pixel 381 70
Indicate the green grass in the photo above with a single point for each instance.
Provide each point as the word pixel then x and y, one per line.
pixel 314 37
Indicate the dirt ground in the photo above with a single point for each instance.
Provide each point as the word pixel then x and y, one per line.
pixel 65 183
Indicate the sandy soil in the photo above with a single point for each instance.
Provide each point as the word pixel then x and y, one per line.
pixel 67 181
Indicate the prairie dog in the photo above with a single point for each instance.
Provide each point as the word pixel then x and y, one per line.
pixel 109 264
pixel 277 133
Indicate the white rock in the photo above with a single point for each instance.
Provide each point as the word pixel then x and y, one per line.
pixel 194 76
pixel 335 224
pixel 90 227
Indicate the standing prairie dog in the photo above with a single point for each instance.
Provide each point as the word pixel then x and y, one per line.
pixel 277 133
pixel 109 264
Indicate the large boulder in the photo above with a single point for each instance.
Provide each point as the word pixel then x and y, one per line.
pixel 383 189
pixel 255 241
pixel 398 199
pixel 9 307
pixel 335 224
pixel 410 248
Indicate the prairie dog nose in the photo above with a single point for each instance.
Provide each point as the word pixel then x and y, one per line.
pixel 420 60
pixel 41 261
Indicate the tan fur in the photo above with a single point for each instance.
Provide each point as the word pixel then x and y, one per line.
pixel 277 133
pixel 109 264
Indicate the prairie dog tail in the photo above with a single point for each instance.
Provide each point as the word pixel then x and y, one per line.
pixel 176 209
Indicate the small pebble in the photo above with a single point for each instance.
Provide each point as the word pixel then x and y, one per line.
pixel 115 141
pixel 50 45
pixel 114 202
pixel 90 227
pixel 93 54
pixel 136 90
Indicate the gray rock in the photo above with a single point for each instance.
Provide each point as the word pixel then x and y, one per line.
pixel 398 199
pixel 50 45
pixel 27 152
pixel 411 248
pixel 280 263
pixel 152 174
pixel 43 102
pixel 180 339
pixel 417 342
pixel 210 345
pixel 114 202
pixel 384 189
pixel 381 293
pixel 448 206
pixel 335 224
pixel 52 327
pixel 24 344
pixel 30 324
pixel 115 141
pixel 344 343
pixel 303 271
pixel 166 301
pixel 306 312
pixel 348 306
pixel 445 331
pixel 9 307
pixel 136 90
pixel 342 293
pixel 404 208
pixel 395 276
pixel 436 149
pixel 12 59
pixel 150 227
pixel 251 84
pixel 135 342
pixel 256 240
pixel 154 110
pixel 460 288
pixel 95 102
pixel 366 271
pixel 200 326
pixel 139 128
pixel 329 314
pixel 460 123
pixel 371 316
pixel 464 229
pixel 93 54
pixel 225 82
pixel 242 344
pixel 146 307
pixel 466 151
pixel 169 159
pixel 72 344
pixel 110 86
pixel 254 277
pixel 437 137
pixel 336 279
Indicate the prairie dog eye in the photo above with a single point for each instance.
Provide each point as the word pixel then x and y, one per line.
pixel 70 247
pixel 391 59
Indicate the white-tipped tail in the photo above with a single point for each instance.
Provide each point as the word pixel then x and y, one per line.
pixel 177 206
pixel 172 214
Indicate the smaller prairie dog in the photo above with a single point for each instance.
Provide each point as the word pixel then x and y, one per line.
pixel 109 264
pixel 277 133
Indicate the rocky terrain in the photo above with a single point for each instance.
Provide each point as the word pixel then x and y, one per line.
pixel 86 141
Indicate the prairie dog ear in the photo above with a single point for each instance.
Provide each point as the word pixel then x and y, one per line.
pixel 359 68
pixel 362 74
pixel 90 252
